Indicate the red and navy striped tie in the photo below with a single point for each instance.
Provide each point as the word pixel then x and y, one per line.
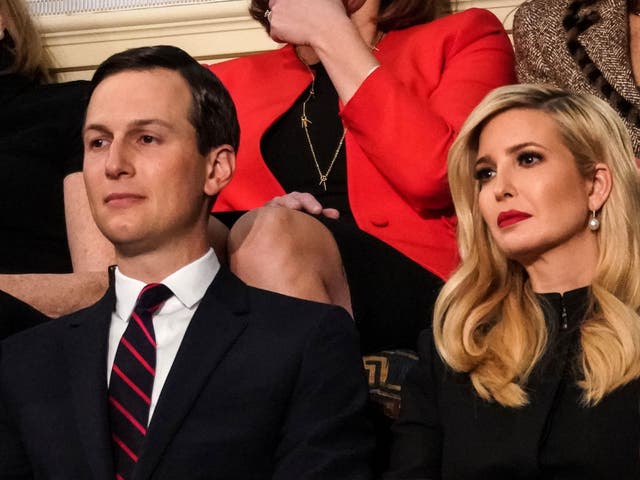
pixel 132 380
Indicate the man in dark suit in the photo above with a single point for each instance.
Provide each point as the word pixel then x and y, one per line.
pixel 181 371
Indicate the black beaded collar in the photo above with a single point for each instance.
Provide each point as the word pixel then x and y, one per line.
pixel 565 311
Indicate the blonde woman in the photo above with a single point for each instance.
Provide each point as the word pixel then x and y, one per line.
pixel 532 368
pixel 51 254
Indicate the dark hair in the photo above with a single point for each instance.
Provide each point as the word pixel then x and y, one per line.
pixel 213 114
pixel 393 14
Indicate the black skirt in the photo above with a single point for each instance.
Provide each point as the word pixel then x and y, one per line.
pixel 392 296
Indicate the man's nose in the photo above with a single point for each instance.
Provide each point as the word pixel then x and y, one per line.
pixel 118 161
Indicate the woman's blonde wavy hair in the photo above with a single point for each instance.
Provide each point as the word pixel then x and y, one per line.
pixel 487 319
pixel 29 57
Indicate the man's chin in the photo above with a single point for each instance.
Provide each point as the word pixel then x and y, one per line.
pixel 128 245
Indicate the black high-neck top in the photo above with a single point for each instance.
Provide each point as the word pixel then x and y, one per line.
pixel 40 144
pixel 446 431
pixel 286 150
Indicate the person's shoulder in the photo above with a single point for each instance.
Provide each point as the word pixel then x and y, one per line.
pixel 39 352
pixel 471 16
pixel 75 91
pixel 52 102
pixel 472 19
pixel 33 346
pixel 459 29
pixel 296 320
pixel 296 312
pixel 246 77
pixel 48 333
pixel 62 103
pixel 268 310
pixel 534 11
pixel 247 66
pixel 431 358
pixel 537 31
pixel 72 87
pixel 426 343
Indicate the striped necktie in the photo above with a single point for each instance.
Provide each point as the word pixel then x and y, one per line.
pixel 132 380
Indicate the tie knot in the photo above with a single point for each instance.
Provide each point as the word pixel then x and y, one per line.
pixel 152 297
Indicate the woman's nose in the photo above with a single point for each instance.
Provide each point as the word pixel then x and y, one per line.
pixel 503 185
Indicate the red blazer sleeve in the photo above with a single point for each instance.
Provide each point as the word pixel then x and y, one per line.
pixel 408 111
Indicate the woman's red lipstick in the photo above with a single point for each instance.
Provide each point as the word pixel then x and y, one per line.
pixel 510 217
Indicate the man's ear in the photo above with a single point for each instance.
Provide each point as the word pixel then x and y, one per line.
pixel 600 186
pixel 221 163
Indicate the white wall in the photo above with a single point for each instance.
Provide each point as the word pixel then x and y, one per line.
pixel 210 32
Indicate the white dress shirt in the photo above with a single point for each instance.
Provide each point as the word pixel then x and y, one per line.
pixel 170 323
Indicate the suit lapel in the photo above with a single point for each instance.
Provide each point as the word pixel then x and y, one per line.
pixel 606 43
pixel 213 330
pixel 86 354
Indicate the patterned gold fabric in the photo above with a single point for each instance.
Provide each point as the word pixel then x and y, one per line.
pixel 386 371
pixel 580 45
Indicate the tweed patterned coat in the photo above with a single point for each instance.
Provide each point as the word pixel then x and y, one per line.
pixel 580 45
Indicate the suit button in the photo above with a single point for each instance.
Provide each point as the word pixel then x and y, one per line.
pixel 379 221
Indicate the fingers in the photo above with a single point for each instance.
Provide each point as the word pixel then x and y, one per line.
pixel 300 21
pixel 331 213
pixel 274 30
pixel 304 202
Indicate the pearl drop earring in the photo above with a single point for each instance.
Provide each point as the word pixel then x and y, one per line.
pixel 594 223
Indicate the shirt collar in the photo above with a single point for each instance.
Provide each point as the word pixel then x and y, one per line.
pixel 188 284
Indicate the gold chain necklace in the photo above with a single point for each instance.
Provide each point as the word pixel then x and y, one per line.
pixel 305 122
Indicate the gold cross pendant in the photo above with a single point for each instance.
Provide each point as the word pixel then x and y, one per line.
pixel 305 121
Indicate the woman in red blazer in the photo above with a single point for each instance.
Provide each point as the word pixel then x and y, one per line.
pixel 352 120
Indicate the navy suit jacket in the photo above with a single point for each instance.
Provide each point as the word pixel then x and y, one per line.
pixel 263 386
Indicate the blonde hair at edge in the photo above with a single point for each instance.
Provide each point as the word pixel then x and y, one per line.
pixel 487 321
pixel 31 59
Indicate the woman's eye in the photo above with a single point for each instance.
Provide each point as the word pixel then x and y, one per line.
pixel 529 158
pixel 484 174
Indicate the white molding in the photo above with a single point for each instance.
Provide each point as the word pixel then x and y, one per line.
pixel 503 9
pixel 209 31
pixel 197 12
pixel 62 7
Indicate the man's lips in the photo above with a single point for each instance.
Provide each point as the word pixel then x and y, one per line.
pixel 122 198
pixel 510 217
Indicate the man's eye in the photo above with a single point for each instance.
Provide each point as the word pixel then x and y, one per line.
pixel 147 139
pixel 96 143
